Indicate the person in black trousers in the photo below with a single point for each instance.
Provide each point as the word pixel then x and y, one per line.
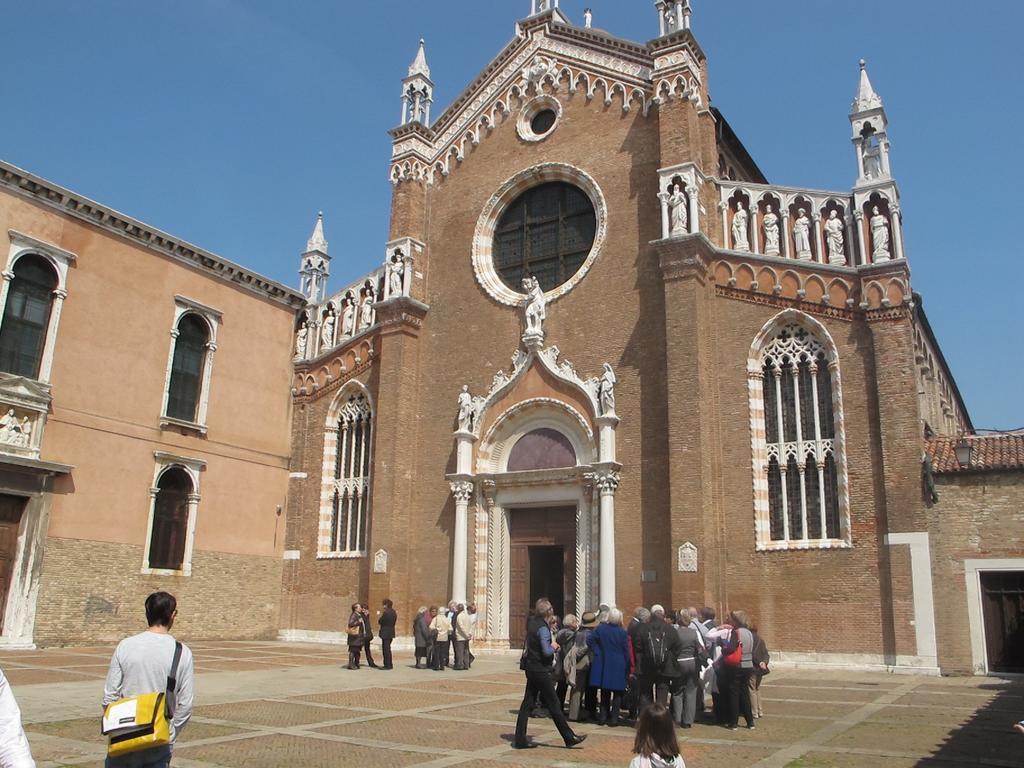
pixel 369 636
pixel 386 622
pixel 537 659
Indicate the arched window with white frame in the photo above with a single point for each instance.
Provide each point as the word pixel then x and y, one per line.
pixel 800 486
pixel 173 508
pixel 345 513
pixel 190 365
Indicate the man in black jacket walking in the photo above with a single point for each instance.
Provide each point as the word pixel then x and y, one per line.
pixel 387 620
pixel 538 655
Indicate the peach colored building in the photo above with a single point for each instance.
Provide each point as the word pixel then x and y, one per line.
pixel 145 436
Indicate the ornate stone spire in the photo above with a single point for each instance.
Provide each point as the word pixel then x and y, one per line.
pixel 418 90
pixel 870 137
pixel 866 97
pixel 315 265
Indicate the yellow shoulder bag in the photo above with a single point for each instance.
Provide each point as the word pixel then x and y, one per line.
pixel 141 722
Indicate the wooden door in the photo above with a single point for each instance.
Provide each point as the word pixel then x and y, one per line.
pixel 1002 599
pixel 535 534
pixel 519 594
pixel 10 522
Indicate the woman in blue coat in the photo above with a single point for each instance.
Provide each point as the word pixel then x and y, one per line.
pixel 611 666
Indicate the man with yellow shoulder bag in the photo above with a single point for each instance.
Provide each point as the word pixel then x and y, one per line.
pixel 147 698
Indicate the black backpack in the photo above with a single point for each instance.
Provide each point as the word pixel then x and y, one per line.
pixel 656 644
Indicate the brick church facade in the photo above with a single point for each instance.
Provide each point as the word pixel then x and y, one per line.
pixel 603 360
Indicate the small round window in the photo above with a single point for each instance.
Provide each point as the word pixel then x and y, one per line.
pixel 546 232
pixel 543 121
pixel 539 118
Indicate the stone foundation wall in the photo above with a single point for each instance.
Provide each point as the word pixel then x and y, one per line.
pixel 93 592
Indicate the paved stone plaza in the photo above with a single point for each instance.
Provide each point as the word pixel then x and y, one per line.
pixel 267 705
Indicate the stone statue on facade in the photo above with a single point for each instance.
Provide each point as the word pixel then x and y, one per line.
pixel 467 410
pixel 680 217
pixel 14 432
pixel 771 233
pixel 606 390
pixel 740 238
pixel 872 158
pixel 879 236
pixel 835 238
pixel 348 315
pixel 396 275
pixel 536 307
pixel 366 310
pixel 327 328
pixel 802 235
pixel 301 340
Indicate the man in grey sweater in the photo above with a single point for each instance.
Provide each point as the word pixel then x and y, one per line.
pixel 141 664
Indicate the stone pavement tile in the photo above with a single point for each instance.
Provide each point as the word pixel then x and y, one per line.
pixel 468 686
pixel 283 751
pixel 721 755
pixel 819 693
pixel 950 717
pixel 274 714
pixel 504 711
pixel 225 665
pixel 383 699
pixel 944 700
pixel 55 660
pixel 87 730
pixel 787 708
pixel 931 740
pixel 36 676
pixel 780 730
pixel 424 732
pixel 306 660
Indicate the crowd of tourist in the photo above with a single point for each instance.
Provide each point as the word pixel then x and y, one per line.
pixel 659 666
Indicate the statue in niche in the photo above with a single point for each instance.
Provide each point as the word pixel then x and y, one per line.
pixel 679 216
pixel 606 390
pixel 348 315
pixel 366 310
pixel 26 432
pixel 879 236
pixel 834 236
pixel 740 239
pixel 802 235
pixel 9 428
pixel 327 328
pixel 301 340
pixel 467 410
pixel 396 274
pixel 872 158
pixel 536 307
pixel 771 233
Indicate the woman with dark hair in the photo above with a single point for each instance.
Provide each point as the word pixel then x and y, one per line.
pixel 356 635
pixel 655 744
pixel 760 657
pixel 737 665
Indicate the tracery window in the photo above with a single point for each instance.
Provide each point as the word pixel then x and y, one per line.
pixel 800 481
pixel 350 501
pixel 547 232
pixel 26 316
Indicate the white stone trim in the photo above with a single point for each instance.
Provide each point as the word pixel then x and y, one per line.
pixel 60 260
pixel 865 662
pixel 193 468
pixel 973 568
pixel 212 317
pixel 483 239
pixel 924 595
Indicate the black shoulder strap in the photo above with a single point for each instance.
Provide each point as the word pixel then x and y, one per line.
pixel 172 679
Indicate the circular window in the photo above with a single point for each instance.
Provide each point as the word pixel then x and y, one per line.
pixel 549 221
pixel 547 232
pixel 539 118
pixel 543 121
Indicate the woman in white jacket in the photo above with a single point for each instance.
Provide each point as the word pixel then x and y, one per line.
pixel 14 751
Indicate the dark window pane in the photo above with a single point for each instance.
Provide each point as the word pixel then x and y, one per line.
pixel 547 232
pixel 828 426
pixel 813 500
pixel 831 498
pixel 788 402
pixel 806 402
pixel 170 520
pixel 187 368
pixel 26 316
pixel 543 121
pixel 541 449
pixel 771 412
pixel 775 500
pixel 796 528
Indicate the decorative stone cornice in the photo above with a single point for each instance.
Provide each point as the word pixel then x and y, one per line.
pixel 685 256
pixel 400 314
pixel 65 201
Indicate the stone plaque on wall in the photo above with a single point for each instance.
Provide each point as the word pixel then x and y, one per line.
pixel 687 558
pixel 380 561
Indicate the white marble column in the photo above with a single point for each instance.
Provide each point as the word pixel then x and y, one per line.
pixel 819 249
pixel 462 492
pixel 787 248
pixel 896 224
pixel 755 228
pixel 665 229
pixel 694 200
pixel 46 364
pixel 865 257
pixel 607 483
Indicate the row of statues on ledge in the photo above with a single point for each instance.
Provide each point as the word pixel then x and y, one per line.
pixel 356 313
pixel 835 235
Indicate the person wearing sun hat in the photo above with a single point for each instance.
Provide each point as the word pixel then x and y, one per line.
pixel 577 672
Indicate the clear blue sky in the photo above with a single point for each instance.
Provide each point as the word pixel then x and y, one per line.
pixel 232 123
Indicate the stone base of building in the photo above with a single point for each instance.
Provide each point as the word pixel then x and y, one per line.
pixel 866 662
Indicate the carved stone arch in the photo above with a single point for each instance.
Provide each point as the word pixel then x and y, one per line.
pixel 767 279
pixel 340 398
pixel 814 289
pixel 809 323
pixel 527 416
pixel 323 376
pixel 723 273
pixel 897 292
pixel 874 294
pixel 790 284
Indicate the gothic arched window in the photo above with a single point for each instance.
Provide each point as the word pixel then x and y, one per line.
pixel 26 316
pixel 350 492
pixel 541 449
pixel 170 520
pixel 796 417
pixel 187 368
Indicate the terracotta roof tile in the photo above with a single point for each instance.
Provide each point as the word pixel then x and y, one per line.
pixel 991 452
